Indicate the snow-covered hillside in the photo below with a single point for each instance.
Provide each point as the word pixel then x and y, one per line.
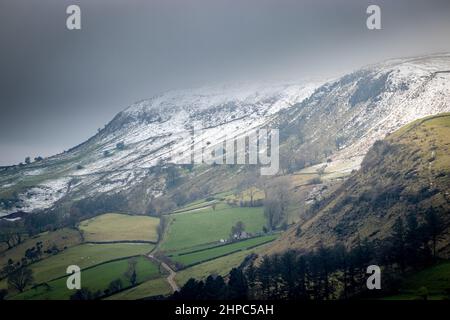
pixel 340 119
pixel 151 131
pixel 343 118
pixel 414 88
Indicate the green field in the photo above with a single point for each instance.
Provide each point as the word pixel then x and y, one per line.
pixel 146 289
pixel 192 229
pixel 120 227
pixel 192 238
pixel 219 251
pixel 84 256
pixel 246 195
pixel 435 281
pixel 95 279
pixel 220 266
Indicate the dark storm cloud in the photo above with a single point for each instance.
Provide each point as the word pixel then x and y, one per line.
pixel 58 86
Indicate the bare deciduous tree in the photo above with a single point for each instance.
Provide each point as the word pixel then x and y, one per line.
pixel 276 202
pixel 21 278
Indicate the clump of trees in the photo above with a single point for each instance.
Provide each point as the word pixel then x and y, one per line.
pixel 89 207
pixel 44 221
pixel 172 176
pixel 413 244
pixel 114 286
pixel 85 294
pixel 12 269
pixel 120 146
pixel 315 180
pixel 276 203
pixel 3 294
pixel 237 231
pixel 247 191
pixel 34 253
pixel 180 198
pixel 131 273
pixel 160 205
pixel 162 226
pixel 214 288
pixel 12 233
pixel 10 202
pixel 251 203
pixel 28 160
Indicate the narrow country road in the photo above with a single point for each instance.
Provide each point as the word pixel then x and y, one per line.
pixel 171 277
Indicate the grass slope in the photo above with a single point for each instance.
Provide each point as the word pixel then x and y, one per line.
pixel 94 279
pixel 120 227
pixel 220 266
pixel 148 288
pixel 188 259
pixel 433 281
pixel 84 256
pixel 409 171
pixel 62 238
pixel 192 229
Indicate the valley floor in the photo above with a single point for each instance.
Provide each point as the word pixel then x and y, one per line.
pixel 195 244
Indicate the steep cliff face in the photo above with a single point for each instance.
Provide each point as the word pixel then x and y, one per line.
pixel 408 172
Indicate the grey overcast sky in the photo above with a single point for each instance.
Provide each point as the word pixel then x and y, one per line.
pixel 57 87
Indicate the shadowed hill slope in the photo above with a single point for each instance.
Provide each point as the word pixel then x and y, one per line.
pixel 408 172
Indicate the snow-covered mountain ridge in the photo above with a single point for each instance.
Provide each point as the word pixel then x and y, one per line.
pixel 343 118
pixel 151 132
pixel 339 120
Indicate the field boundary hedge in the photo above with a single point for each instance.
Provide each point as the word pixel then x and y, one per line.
pixel 121 241
pixel 94 266
pixel 223 245
pixel 223 255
